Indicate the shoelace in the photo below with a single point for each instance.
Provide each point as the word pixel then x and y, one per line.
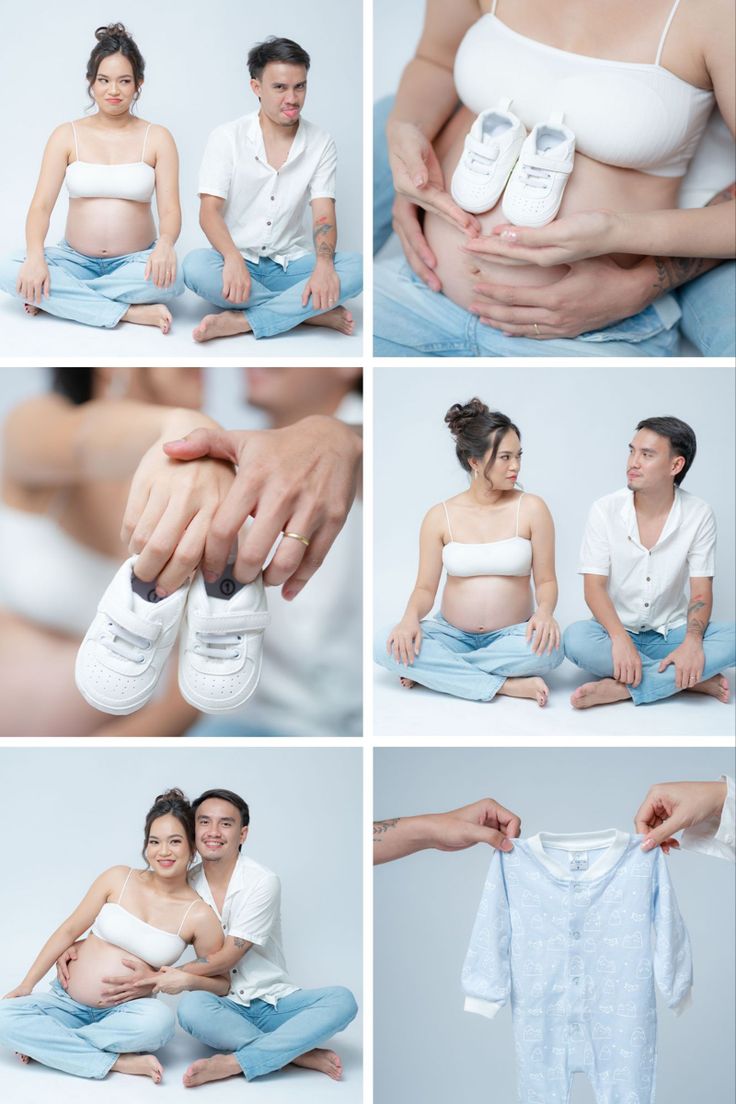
pixel 124 644
pixel 218 645
pixel 481 164
pixel 536 178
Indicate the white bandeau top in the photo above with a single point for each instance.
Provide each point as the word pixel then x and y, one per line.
pixel 635 115
pixel 512 556
pixel 155 946
pixel 91 180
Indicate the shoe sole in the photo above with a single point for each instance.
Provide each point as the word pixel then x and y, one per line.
pixel 108 707
pixel 217 707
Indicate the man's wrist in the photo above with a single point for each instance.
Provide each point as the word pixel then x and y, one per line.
pixel 325 262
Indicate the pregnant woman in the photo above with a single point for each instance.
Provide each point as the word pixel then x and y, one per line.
pixel 635 84
pixel 139 916
pixel 488 639
pixel 110 267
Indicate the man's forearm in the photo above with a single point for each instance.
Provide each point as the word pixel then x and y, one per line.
pixel 219 984
pixel 393 839
pixel 698 615
pixel 217 233
pixel 220 962
pixel 600 605
pixel 324 237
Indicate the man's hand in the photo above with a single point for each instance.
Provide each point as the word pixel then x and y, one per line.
pixel 626 660
pixel 482 822
pixel 670 806
pixel 235 279
pixel 138 982
pixel 323 286
pixel 592 295
pixel 62 965
pixel 169 980
pixel 689 661
pixel 300 479
pixel 407 225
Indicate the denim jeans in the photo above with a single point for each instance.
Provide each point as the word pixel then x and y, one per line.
pixel 588 645
pixel 74 1038
pixel 95 291
pixel 468 665
pixel 264 1037
pixel 275 301
pixel 425 323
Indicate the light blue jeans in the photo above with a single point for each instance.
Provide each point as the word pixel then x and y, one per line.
pixel 95 291
pixel 423 322
pixel 468 665
pixel 588 645
pixel 59 1032
pixel 264 1037
pixel 275 300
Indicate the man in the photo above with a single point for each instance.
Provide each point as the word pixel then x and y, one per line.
pixel 257 176
pixel 641 545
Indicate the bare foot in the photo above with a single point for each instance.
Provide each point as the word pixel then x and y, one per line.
pixel 407 683
pixel 145 1065
pixel 23 1058
pixel 211 1069
pixel 149 314
pixel 325 1061
pixel 603 692
pixel 339 318
pixel 31 309
pixel 226 324
pixel 535 688
pixel 717 687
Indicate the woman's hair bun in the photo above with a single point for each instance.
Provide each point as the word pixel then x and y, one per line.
pixel 112 30
pixel 460 415
pixel 172 795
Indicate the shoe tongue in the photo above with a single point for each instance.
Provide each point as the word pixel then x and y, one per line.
pixel 225 586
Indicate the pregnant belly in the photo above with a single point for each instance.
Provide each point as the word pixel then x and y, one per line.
pixel 96 960
pixel 109 227
pixel 591 186
pixel 485 603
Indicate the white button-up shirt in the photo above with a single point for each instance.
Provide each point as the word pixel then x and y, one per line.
pixel 264 208
pixel 252 911
pixel 716 836
pixel 647 586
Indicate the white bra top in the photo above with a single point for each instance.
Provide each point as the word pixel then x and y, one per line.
pixel 116 925
pixel 636 115
pixel 512 556
pixel 90 180
pixel 64 599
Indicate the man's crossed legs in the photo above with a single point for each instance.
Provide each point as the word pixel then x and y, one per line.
pixel 260 1038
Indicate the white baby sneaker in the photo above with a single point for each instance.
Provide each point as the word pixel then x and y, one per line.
pixel 222 642
pixel 534 192
pixel 491 148
pixel 122 655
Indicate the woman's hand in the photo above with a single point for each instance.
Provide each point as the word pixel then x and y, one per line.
pixel 569 239
pixel 171 506
pixel 20 991
pixel 138 982
pixel 670 806
pixel 161 265
pixel 409 231
pixel 542 633
pixel 62 965
pixel 404 641
pixel 34 280
pixel 418 176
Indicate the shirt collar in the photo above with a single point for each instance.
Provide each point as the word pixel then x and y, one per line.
pixel 254 135
pixel 613 839
pixel 628 513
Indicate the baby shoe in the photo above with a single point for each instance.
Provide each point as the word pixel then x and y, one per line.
pixel 122 655
pixel 534 192
pixel 491 148
pixel 222 642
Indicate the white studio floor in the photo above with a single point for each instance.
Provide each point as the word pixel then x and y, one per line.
pixel 34 1083
pixel 46 336
pixel 420 715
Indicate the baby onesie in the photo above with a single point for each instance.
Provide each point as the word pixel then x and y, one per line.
pixel 574 930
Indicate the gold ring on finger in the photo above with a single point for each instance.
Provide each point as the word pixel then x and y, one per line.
pixel 299 537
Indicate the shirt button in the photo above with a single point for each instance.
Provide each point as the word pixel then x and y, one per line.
pixel 649 578
pixel 268 222
pixel 273 197
pixel 729 840
pixel 263 247
pixel 646 604
pixel 576 935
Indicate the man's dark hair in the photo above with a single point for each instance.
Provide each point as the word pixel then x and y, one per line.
pixel 680 436
pixel 275 49
pixel 225 795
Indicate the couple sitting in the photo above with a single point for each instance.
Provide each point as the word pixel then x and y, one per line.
pixel 237 996
pixel 641 545
pixel 257 176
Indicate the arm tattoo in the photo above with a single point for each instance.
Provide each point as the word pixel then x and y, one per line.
pixel 381 827
pixel 239 943
pixel 323 248
pixel 695 624
pixel 674 271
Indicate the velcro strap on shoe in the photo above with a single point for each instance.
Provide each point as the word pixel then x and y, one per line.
pixel 127 619
pixel 550 164
pixel 489 150
pixel 247 622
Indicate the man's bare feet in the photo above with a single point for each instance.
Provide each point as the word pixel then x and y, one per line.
pixel 149 314
pixel 717 687
pixel 324 1061
pixel 604 692
pixel 144 1065
pixel 407 683
pixel 339 318
pixel 31 309
pixel 226 324
pixel 211 1069
pixel 534 688
pixel 22 1058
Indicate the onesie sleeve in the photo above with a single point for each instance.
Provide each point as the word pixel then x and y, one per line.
pixel 486 976
pixel 673 968
pixel 717 835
